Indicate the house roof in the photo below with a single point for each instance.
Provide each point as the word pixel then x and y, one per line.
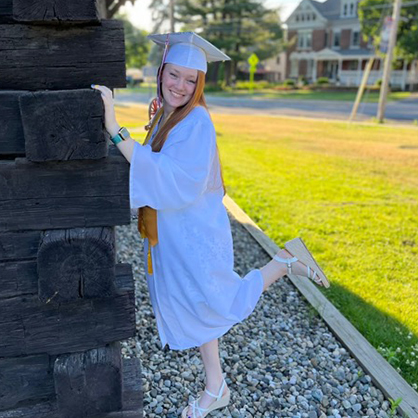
pixel 330 9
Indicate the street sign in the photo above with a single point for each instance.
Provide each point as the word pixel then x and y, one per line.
pixel 253 61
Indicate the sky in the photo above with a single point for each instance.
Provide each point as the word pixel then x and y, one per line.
pixel 140 15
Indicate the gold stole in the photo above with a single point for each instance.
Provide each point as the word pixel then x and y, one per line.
pixel 147 216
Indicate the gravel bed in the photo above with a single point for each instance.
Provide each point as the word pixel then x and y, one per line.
pixel 282 361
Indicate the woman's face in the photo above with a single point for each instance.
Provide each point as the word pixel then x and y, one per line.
pixel 178 85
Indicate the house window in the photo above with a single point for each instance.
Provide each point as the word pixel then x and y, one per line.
pixel 278 60
pixel 337 38
pixel 351 9
pixel 345 10
pixel 313 17
pixel 356 38
pixel 309 40
pixel 297 18
pixel 304 39
pixel 326 39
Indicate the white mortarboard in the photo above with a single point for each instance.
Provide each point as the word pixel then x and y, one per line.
pixel 188 49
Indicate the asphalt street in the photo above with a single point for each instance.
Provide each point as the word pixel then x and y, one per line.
pixel 404 111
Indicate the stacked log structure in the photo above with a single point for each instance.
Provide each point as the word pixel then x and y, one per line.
pixel 65 303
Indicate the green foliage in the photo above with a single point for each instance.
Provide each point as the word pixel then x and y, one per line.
pixel 371 20
pixel 257 85
pixel 237 28
pixel 322 80
pixel 289 82
pixel 393 406
pixel 137 45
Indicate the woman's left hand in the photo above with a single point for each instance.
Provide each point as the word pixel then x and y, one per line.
pixel 111 124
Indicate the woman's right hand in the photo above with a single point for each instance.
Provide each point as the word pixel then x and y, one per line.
pixel 111 124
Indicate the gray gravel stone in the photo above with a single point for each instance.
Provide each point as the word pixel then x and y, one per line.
pixel 282 361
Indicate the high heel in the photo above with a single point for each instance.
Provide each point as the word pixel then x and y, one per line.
pixel 297 248
pixel 221 402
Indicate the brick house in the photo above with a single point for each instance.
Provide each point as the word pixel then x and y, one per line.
pixel 325 41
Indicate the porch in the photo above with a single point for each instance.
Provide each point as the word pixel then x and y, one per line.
pixel 343 68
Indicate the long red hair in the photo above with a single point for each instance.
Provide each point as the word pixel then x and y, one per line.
pixel 197 99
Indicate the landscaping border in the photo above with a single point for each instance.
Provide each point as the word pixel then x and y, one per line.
pixel 384 376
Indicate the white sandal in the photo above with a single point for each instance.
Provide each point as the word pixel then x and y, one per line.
pixel 298 249
pixel 221 402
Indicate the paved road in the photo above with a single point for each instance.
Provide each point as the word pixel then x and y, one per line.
pixel 404 111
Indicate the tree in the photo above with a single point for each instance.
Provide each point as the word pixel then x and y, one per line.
pixel 109 8
pixel 237 27
pixel 371 15
pixel 137 45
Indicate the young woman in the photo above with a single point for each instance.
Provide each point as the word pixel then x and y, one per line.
pixel 176 183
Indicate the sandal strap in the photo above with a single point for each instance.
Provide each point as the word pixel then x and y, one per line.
pixel 199 409
pixel 219 395
pixel 315 277
pixel 288 261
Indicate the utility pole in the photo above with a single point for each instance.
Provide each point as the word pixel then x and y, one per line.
pixel 172 16
pixel 388 61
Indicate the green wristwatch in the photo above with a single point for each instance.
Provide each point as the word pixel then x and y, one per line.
pixel 122 135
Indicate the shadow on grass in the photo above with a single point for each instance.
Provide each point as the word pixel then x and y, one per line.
pixel 394 341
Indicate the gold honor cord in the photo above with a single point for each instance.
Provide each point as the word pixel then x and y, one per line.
pixel 147 216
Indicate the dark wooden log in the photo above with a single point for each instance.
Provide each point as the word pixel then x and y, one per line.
pixel 132 398
pixel 90 382
pixel 76 263
pixel 21 245
pixel 124 277
pixel 6 11
pixel 23 379
pixel 18 278
pixel 46 57
pixel 55 11
pixel 33 327
pixel 72 125
pixel 58 195
pixel 12 140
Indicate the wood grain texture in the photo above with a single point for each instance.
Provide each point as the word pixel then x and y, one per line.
pixel 89 383
pixel 72 125
pixel 39 57
pixel 20 245
pixel 384 376
pixel 55 11
pixel 58 195
pixel 34 327
pixel 12 140
pixel 25 379
pixel 19 278
pixel 132 398
pixel 76 264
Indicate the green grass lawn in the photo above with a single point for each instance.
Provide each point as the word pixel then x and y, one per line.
pixel 351 192
pixel 368 97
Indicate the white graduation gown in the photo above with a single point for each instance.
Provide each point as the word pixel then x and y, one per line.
pixel 195 293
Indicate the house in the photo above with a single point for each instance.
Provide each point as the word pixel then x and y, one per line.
pixel 326 41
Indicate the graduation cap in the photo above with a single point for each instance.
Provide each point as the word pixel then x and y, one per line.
pixel 188 49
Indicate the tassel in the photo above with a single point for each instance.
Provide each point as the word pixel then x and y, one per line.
pixel 149 260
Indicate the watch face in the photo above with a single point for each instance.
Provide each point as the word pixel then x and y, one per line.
pixel 124 133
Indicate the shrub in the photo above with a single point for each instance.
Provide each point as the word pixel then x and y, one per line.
pixel 289 82
pixel 322 80
pixel 246 85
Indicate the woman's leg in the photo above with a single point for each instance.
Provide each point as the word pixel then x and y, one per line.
pixel 213 370
pixel 275 270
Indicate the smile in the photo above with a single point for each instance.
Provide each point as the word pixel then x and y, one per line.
pixel 176 94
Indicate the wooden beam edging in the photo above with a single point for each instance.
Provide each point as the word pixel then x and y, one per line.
pixel 384 376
